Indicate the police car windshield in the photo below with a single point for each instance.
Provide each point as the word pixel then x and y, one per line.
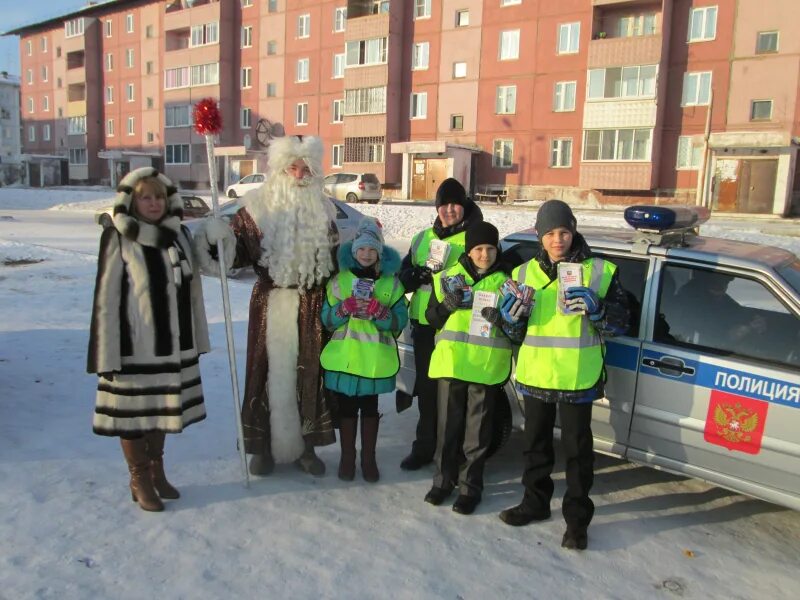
pixel 791 273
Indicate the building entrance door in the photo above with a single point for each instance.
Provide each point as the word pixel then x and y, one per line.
pixel 435 174
pixel 745 186
pixel 418 189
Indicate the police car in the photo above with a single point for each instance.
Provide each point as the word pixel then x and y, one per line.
pixel 707 381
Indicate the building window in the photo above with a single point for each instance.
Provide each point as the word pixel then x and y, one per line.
pixel 247 77
pixel 419 105
pixel 365 101
pixel 561 153
pixel 44 44
pixel 29 74
pixel 71 29
pixel 131 125
pixel 302 70
pixel 337 155
pixel 364 149
pixel 149 103
pixel 176 78
pixel 766 42
pixel 509 45
pixel 30 105
pixel 59 83
pixel 148 67
pixel 301 113
pixel 617 144
pixel 60 112
pixel 245 118
pixel 636 25
pixel 247 36
pixel 129 22
pixel 462 18
pixel 459 70
pixel 569 38
pixel 338 66
pixel 422 10
pixel 29 48
pixel 149 33
pixel 456 122
pixel 109 62
pixel 31 133
pixel 510 2
pixel 272 90
pixel 129 58
pixel 129 92
pixel 202 35
pixel 622 82
pixel 339 19
pixel 304 26
pixel 176 154
pixel 246 3
pixel 151 137
pixel 702 24
pixel 337 111
pixel 272 6
pixel 506 100
pixel 46 132
pixel 375 153
pixel 564 96
pixel 761 110
pixel 366 52
pixel 379 7
pixel 205 74
pixel 77 156
pixel 177 116
pixel 45 104
pixel 419 55
pixel 503 154
pixel 272 48
pixel 110 128
pixel 109 94
pixel 696 88
pixel 689 154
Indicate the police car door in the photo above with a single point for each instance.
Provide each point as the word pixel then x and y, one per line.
pixel 719 379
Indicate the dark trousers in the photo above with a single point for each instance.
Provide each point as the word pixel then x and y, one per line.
pixel 349 406
pixel 425 391
pixel 465 432
pixel 576 442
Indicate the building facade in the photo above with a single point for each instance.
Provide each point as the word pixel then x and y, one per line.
pixel 592 101
pixel 10 147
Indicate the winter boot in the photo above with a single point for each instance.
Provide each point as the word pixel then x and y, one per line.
pixel 523 513
pixel 142 490
pixel 369 439
pixel 262 464
pixel 310 462
pixel 575 538
pixel 155 451
pixel 347 437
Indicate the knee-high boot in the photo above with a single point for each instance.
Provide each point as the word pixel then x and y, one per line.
pixel 347 437
pixel 369 440
pixel 142 490
pixel 155 451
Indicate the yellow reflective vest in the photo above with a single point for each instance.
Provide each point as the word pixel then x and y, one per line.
pixel 561 352
pixel 472 358
pixel 358 347
pixel 420 244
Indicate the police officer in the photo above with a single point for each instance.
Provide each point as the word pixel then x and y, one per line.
pixel 560 363
pixel 455 212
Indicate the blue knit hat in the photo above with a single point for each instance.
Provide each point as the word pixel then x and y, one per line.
pixel 368 235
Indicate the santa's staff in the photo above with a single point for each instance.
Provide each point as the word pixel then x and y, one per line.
pixel 208 123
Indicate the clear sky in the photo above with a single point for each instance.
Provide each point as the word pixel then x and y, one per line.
pixel 14 13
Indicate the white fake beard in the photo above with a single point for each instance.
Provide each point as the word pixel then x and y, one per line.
pixel 294 218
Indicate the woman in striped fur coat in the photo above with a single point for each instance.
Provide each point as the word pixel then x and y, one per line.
pixel 148 329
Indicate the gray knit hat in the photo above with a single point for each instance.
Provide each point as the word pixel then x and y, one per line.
pixel 553 214
pixel 368 235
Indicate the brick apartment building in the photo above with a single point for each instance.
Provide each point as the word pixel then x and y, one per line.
pixel 593 101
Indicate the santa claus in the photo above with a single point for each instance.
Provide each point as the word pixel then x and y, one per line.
pixel 286 230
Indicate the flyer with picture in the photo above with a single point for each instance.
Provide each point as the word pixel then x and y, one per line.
pixel 569 275
pixel 479 326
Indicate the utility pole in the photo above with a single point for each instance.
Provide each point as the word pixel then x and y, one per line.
pixel 700 191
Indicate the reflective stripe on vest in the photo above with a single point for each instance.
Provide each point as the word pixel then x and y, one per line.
pixel 420 246
pixel 358 347
pixel 472 358
pixel 561 352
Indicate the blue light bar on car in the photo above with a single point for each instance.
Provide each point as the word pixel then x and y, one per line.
pixel 665 218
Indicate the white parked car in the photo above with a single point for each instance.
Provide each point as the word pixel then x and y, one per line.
pixel 245 184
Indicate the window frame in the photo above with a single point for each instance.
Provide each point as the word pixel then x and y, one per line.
pixel 453 123
pixel 339 19
pixel 761 34
pixel 301 114
pixel 245 117
pixel 510 49
pixel 463 12
pixel 753 103
pixel 337 110
pixel 698 91
pixel 421 9
pixel 246 78
pixel 562 105
pixel 617 144
pixel 557 153
pixel 109 127
pixel 502 143
pixel 420 51
pixel 247 36
pixel 303 70
pixel 569 38
pixel 704 25
pixel 455 69
pixel 418 107
pixel 337 151
pixel 188 153
pixel 129 23
pixel 130 92
pixel 690 152
pixel 303 30
pixel 131 126
pixel 504 100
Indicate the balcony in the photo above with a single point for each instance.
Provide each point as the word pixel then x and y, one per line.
pixel 617 2
pixel 182 15
pixel 618 51
pixel 617 175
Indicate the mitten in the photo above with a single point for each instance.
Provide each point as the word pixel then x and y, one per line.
pixel 348 307
pixel 377 311
pixel 586 299
pixel 452 300
pixel 211 231
pixel 491 314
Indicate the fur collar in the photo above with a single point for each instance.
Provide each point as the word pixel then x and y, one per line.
pixel 389 260
pixel 161 235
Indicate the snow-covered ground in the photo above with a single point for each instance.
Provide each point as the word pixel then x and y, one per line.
pixel 69 529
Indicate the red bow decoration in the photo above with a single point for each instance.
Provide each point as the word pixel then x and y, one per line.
pixel 207 118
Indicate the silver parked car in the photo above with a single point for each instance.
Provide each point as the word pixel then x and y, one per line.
pixel 354 187
pixel 707 381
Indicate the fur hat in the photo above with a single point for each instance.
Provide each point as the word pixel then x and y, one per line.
pixel 481 233
pixel 369 235
pixel 160 235
pixel 285 150
pixel 450 192
pixel 553 214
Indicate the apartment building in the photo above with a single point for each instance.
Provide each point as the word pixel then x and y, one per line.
pixel 10 147
pixel 592 101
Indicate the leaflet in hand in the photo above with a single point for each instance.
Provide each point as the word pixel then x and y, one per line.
pixel 438 252
pixel 569 275
pixel 363 289
pixel 478 326
pixel 457 282
pixel 520 290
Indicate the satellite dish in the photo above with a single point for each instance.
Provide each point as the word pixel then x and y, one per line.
pixel 246 141
pixel 264 131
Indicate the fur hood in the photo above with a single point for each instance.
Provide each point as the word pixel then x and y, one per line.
pixel 161 235
pixel 389 259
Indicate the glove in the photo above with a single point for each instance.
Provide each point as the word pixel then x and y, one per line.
pixel 491 314
pixel 452 300
pixel 586 299
pixel 350 306
pixel 423 275
pixel 377 311
pixel 211 231
pixel 513 309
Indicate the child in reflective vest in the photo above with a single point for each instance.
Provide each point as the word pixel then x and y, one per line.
pixel 471 360
pixel 366 309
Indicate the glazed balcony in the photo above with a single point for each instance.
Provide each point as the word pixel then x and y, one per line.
pixel 637 50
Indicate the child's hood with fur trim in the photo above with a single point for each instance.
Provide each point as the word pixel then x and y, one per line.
pixel 389 259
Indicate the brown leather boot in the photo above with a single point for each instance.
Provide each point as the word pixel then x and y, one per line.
pixel 142 490
pixel 155 451
pixel 369 439
pixel 347 437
